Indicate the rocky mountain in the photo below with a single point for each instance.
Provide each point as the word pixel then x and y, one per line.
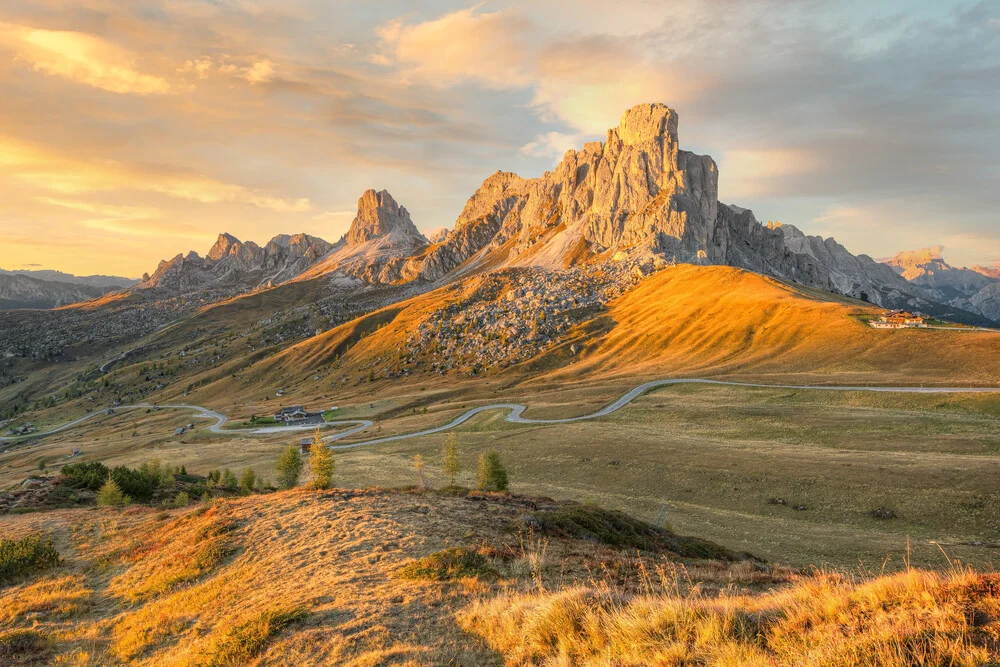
pixel 107 282
pixel 976 290
pixel 237 265
pixel 20 291
pixel 638 197
pixel 380 238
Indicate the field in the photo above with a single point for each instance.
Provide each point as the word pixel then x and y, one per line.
pixel 730 464
pixel 733 464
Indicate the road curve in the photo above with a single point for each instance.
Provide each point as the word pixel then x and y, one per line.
pixel 515 411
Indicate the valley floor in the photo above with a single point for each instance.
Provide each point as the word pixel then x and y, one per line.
pixel 797 476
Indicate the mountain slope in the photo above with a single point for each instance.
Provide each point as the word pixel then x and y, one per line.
pixel 21 291
pixel 681 321
pixel 974 290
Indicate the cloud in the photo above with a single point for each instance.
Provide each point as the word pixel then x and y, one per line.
pixel 80 57
pixel 552 144
pixel 67 175
pixel 762 172
pixel 584 81
pixel 253 70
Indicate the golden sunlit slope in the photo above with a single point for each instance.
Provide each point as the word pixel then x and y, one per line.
pixel 694 321
pixel 302 577
pixel 715 320
pixel 381 577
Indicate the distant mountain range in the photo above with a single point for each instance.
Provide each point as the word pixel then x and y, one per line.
pixel 52 289
pixel 976 289
pixel 635 198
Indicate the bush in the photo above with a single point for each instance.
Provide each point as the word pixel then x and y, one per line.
pixel 453 563
pixel 25 556
pixel 229 482
pixel 247 480
pixel 111 495
pixel 23 647
pixel 321 463
pixel 182 499
pixel 86 475
pixel 247 640
pixel 135 484
pixel 491 476
pixel 289 467
pixel 618 529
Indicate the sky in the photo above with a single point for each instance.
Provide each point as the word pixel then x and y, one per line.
pixel 133 130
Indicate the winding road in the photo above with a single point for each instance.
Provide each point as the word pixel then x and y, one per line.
pixel 515 411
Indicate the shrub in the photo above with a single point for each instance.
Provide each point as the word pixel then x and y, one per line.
pixel 247 480
pixel 111 495
pixel 229 482
pixel 182 499
pixel 23 647
pixel 618 529
pixel 418 463
pixel 453 563
pixel 289 467
pixel 135 484
pixel 321 463
pixel 90 475
pixel 247 640
pixel 450 464
pixel 491 476
pixel 25 556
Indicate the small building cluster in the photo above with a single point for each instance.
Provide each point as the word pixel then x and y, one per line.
pixel 899 319
pixel 292 413
pixel 27 428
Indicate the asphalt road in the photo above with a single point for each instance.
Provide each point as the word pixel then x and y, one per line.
pixel 515 411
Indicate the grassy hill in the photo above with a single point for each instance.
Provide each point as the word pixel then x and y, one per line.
pixel 379 577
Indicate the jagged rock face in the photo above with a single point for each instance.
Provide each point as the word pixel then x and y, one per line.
pixel 380 238
pixel 233 264
pixel 750 245
pixel 379 215
pixel 637 189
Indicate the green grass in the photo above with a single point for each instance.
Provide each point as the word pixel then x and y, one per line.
pixel 453 563
pixel 709 460
pixel 329 415
pixel 248 640
pixel 25 556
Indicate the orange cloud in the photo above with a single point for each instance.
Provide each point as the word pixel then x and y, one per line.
pixel 47 170
pixel 586 82
pixel 80 57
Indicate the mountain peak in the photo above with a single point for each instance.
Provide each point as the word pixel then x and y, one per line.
pixel 380 215
pixel 222 245
pixel 648 122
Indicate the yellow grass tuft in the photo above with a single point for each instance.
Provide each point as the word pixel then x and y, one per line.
pixel 911 618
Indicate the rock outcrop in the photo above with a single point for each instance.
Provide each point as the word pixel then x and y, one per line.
pixel 237 265
pixel 373 250
pixel 638 191
pixel 379 215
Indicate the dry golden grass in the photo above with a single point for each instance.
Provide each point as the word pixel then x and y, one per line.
pixel 910 618
pixel 321 578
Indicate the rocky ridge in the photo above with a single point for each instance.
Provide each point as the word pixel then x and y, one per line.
pixel 235 266
pixel 976 290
